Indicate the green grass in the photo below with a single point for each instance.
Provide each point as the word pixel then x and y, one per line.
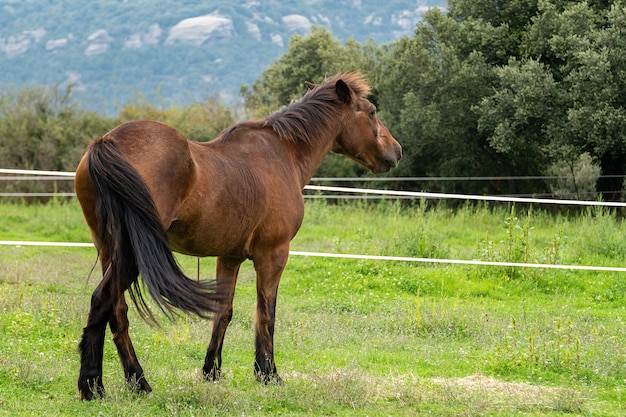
pixel 353 337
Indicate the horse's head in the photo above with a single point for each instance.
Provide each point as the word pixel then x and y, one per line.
pixel 365 139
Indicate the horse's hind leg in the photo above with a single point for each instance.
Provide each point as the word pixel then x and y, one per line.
pixel 107 306
pixel 92 343
pixel 227 271
pixel 119 327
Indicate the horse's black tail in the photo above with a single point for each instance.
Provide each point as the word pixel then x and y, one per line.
pixel 130 228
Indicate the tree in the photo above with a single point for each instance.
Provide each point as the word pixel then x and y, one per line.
pixel 430 83
pixel 576 180
pixel 597 117
pixel 309 58
pixel 43 128
pixel 511 88
pixel 517 116
pixel 514 14
pixel 199 121
pixel 585 47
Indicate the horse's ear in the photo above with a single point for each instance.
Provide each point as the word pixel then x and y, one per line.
pixel 309 86
pixel 343 91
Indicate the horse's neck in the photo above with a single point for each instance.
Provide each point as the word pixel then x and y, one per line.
pixel 310 159
pixel 305 157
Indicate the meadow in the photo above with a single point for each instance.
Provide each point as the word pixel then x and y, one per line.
pixel 353 337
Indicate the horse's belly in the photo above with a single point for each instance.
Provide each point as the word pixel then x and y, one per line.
pixel 183 239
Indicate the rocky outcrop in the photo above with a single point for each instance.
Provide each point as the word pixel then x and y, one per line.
pixel 56 44
pixel 18 44
pixel 99 42
pixel 197 30
pixel 140 39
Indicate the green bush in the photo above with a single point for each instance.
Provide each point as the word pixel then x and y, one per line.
pixel 43 128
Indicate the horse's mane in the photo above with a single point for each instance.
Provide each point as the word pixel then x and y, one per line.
pixel 309 118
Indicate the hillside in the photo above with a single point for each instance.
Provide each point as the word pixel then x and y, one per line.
pixel 177 50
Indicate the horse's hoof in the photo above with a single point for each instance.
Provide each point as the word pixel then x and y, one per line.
pixel 90 392
pixel 269 379
pixel 139 384
pixel 213 375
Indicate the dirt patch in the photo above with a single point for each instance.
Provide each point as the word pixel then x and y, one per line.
pixel 503 394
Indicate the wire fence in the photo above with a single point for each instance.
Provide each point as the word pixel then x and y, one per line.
pixel 380 193
pixel 18 243
pixel 313 191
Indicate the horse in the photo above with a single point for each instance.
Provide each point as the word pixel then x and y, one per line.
pixel 145 191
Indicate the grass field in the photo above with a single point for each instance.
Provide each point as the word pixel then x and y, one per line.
pixel 353 337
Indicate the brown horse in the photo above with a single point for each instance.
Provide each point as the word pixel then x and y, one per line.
pixel 145 190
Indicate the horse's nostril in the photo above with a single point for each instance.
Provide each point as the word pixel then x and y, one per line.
pixel 391 161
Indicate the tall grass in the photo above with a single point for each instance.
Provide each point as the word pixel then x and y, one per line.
pixel 353 337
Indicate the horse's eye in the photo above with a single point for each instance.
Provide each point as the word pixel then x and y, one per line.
pixel 373 113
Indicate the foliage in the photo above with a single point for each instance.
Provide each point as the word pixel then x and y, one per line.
pixel 199 121
pixel 516 116
pixel 509 89
pixel 482 89
pixel 578 180
pixel 597 113
pixel 44 129
pixel 428 87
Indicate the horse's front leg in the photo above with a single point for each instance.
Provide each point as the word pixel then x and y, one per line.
pixel 269 268
pixel 226 275
pixel 119 327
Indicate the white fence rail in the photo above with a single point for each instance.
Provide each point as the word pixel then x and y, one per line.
pixel 406 194
pixel 349 191
pixel 18 243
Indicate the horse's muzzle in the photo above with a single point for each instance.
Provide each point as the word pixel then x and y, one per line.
pixel 389 160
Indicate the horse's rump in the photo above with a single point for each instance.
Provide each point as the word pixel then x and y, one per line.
pixel 131 231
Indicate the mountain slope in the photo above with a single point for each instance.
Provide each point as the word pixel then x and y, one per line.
pixel 178 50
